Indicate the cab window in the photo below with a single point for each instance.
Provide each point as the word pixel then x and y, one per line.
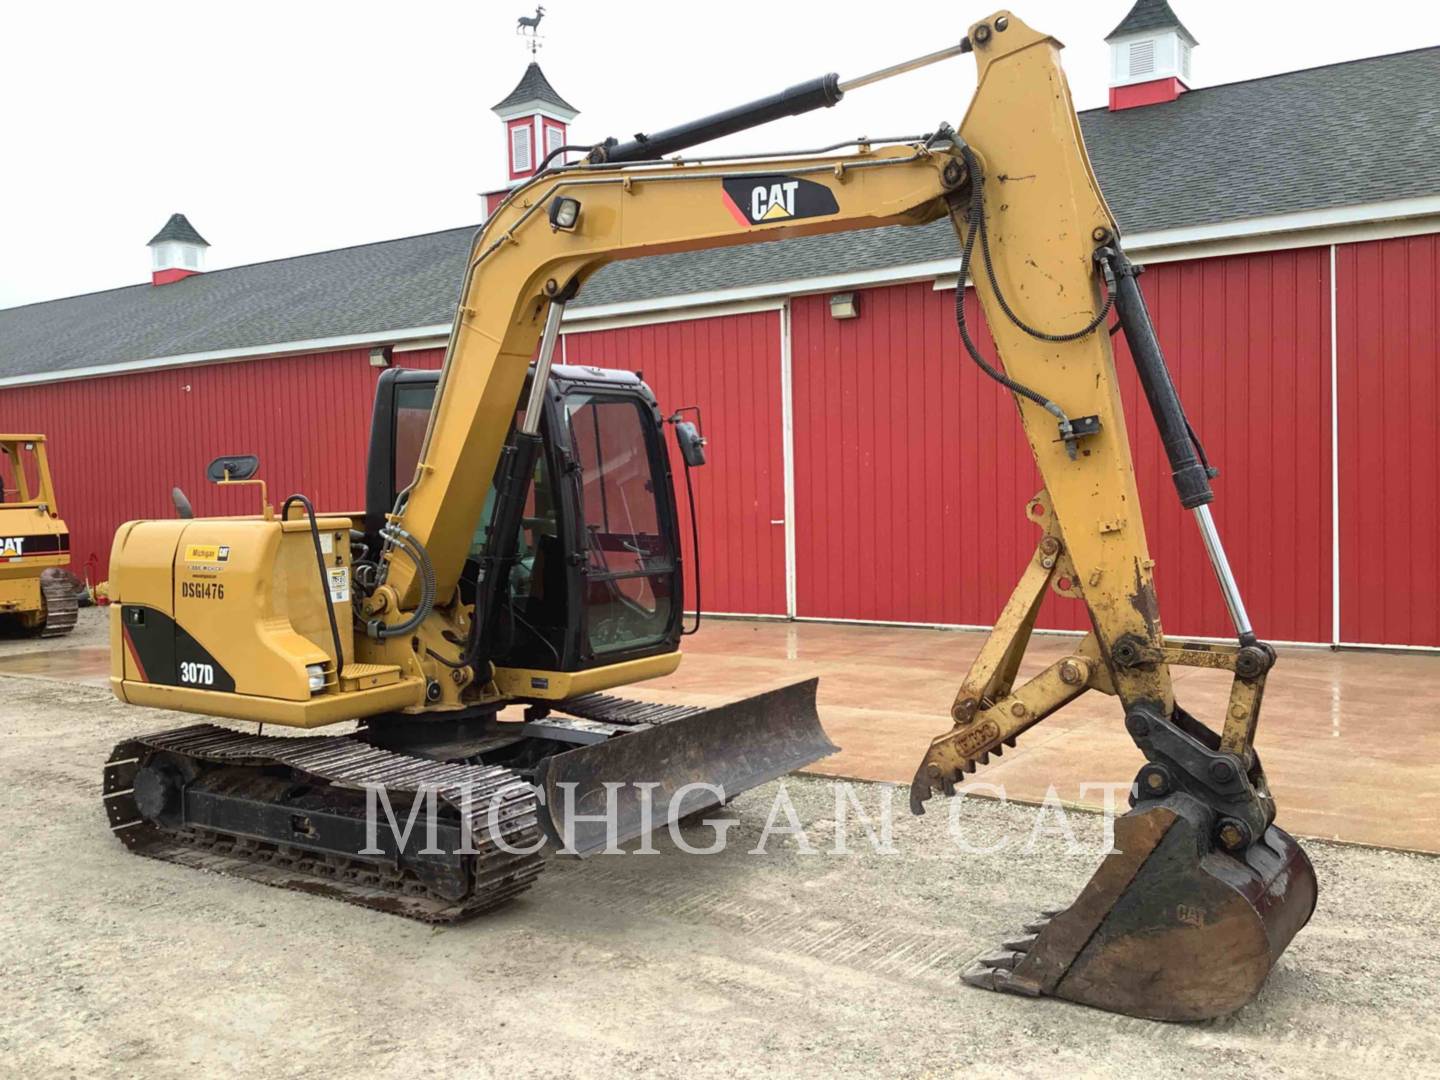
pixel 629 559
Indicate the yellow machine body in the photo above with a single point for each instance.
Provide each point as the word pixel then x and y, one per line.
pixel 225 616
pixel 33 539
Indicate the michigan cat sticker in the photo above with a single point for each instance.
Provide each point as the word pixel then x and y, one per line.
pixel 765 200
pixel 207 558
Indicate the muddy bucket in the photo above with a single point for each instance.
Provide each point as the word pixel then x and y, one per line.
pixel 1170 927
pixel 613 791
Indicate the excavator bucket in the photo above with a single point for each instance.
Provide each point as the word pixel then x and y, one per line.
pixel 1169 927
pixel 615 790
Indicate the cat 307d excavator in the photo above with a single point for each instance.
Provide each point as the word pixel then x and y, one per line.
pixel 413 624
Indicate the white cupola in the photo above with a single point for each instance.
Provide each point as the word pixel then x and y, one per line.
pixel 536 122
pixel 176 251
pixel 1149 56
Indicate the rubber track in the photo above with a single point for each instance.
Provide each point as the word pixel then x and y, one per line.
pixel 497 876
pixel 62 605
pixel 623 711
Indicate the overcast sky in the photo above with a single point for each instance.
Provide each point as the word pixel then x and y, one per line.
pixel 284 128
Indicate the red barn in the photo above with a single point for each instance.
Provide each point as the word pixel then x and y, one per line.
pixel 861 468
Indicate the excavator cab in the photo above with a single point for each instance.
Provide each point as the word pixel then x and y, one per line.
pixel 596 578
pixel 594 581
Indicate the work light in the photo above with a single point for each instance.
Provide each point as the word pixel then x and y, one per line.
pixel 564 213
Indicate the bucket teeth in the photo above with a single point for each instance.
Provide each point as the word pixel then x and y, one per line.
pixel 1034 926
pixel 986 978
pixel 993 972
pixel 1020 944
pixel 1001 958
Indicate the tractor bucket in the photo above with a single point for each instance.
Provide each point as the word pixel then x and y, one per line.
pixel 645 779
pixel 1169 927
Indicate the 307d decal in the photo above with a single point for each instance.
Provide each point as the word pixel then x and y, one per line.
pixel 763 200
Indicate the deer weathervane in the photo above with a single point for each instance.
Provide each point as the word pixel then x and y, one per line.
pixel 528 26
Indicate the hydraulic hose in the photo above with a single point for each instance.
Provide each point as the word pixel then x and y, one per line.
pixel 400 540
pixel 324 575
pixel 976 226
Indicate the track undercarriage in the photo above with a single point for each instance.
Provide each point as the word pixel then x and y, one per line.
pixel 444 820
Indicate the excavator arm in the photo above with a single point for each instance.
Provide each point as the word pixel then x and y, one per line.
pixel 1201 869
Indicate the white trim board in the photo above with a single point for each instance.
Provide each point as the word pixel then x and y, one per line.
pixel 787 458
pixel 220 356
pixel 585 320
pixel 1334 452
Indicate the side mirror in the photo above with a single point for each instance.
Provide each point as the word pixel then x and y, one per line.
pixel 691 443
pixel 237 466
pixel 183 509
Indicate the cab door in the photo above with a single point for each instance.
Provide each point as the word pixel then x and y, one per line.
pixel 625 525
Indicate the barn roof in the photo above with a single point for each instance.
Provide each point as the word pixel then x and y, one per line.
pixel 1364 131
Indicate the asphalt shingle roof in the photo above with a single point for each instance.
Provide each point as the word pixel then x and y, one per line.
pixel 1363 131
pixel 533 86
pixel 1150 15
pixel 178 228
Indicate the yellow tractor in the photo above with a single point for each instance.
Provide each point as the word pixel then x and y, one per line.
pixel 520 548
pixel 37 595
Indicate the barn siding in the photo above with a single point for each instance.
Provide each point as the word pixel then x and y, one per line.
pixel 911 468
pixel 1387 330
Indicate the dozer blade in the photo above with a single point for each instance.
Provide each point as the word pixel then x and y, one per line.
pixel 733 747
pixel 1169 928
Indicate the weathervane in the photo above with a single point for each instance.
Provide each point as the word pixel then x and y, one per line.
pixel 529 27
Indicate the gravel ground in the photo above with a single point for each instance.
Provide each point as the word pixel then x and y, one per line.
pixel 668 964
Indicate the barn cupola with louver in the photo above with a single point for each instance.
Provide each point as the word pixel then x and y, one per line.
pixel 1149 56
pixel 176 251
pixel 537 121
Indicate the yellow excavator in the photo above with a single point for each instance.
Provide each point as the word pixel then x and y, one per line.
pixel 520 547
pixel 37 594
